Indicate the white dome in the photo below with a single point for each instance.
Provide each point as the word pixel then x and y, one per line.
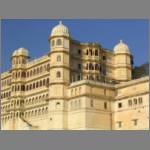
pixel 60 30
pixel 21 51
pixel 121 48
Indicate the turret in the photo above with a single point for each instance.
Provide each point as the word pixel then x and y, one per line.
pixel 19 59
pixel 59 54
pixel 122 62
pixel 59 74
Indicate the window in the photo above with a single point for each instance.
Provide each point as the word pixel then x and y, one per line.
pixel 140 100
pixel 41 83
pixel 104 57
pixel 90 52
pixel 23 74
pixel 58 58
pixel 87 52
pixel 22 88
pixel 119 105
pixel 105 105
pixel 53 43
pixel 135 122
pixel 79 66
pixel 78 77
pixel 135 101
pixel 130 102
pixel 58 75
pixel 91 66
pixel 92 103
pixel 59 42
pixel 58 103
pixel 44 82
pixel 87 66
pixel 96 52
pixel 79 51
pixel 91 77
pixel 96 67
pixel 119 124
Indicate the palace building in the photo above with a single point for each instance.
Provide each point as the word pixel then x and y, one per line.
pixel 76 86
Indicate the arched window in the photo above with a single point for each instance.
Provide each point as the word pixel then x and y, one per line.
pixel 34 71
pixel 44 82
pixel 41 83
pixel 31 73
pixel 27 74
pixel 96 52
pixel 41 69
pixel 33 85
pixel 22 88
pixel 58 58
pixel 18 87
pixel 91 77
pixel 48 67
pixel 14 61
pixel 96 67
pixel 91 52
pixel 59 42
pixel 30 87
pixel 58 75
pixel 39 112
pixel 37 84
pixel 23 74
pixel 23 61
pixel 12 88
pixel 16 75
pixel 91 66
pixel 38 70
pixel 53 42
pixel 87 52
pixel 79 51
pixel 87 66
pixel 47 80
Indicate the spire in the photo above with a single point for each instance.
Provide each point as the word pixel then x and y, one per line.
pixel 60 22
pixel 121 41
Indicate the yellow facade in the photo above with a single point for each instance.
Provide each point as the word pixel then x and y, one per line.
pixel 76 86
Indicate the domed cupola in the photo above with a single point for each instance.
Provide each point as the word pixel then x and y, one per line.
pixel 60 30
pixel 21 52
pixel 121 48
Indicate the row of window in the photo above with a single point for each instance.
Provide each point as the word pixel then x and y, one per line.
pixel 56 42
pixel 104 104
pixel 44 82
pixel 90 66
pixel 36 112
pixel 36 99
pixel 18 103
pixel 76 91
pixel 76 104
pixel 5 82
pixel 97 77
pixel 134 123
pixel 32 72
pixel 37 84
pixel 19 61
pixel 133 102
pixel 5 94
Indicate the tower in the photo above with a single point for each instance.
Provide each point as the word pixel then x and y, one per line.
pixel 122 61
pixel 18 74
pixel 59 75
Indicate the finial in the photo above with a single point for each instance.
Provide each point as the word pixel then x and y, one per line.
pixel 60 22
pixel 121 41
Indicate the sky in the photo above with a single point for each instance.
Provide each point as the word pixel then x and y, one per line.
pixel 33 34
